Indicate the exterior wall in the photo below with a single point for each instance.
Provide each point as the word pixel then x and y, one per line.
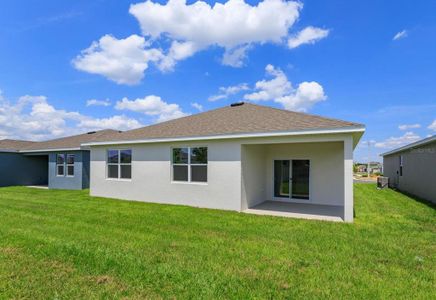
pixel 75 182
pixel 240 172
pixel 86 164
pixel 326 169
pixel 151 176
pixel 19 169
pixel 419 171
pixel 253 175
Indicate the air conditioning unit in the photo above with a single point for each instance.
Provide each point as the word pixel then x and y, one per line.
pixel 382 182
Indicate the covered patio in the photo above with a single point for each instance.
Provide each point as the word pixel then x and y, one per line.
pixel 301 177
pixel 298 210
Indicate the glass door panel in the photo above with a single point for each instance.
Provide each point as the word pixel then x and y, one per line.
pixel 281 178
pixel 300 179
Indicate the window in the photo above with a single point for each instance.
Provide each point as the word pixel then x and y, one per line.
pixel 401 165
pixel 119 164
pixel 60 164
pixel 190 164
pixel 70 164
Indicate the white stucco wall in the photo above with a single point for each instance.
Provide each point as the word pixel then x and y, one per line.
pixel 253 175
pixel 326 179
pixel 151 176
pixel 240 172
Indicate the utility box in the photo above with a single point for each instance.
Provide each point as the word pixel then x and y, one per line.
pixel 382 182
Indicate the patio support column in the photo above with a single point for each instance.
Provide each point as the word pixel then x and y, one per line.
pixel 348 179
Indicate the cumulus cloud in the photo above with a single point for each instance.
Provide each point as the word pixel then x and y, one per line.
pixel 197 106
pixel 121 60
pixel 225 92
pixel 395 142
pixel 152 106
pixel 234 26
pixel 95 102
pixel 279 89
pixel 400 35
pixel 308 35
pixel 409 126
pixel 432 126
pixel 33 118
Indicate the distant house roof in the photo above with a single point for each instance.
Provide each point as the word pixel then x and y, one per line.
pixel 13 145
pixel 412 145
pixel 71 142
pixel 239 118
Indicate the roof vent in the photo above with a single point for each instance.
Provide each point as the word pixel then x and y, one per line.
pixel 91 132
pixel 237 104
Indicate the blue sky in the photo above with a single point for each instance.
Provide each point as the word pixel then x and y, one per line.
pixel 153 62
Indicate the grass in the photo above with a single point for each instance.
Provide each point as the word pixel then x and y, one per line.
pixel 66 244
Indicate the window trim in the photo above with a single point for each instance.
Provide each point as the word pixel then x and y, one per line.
pixel 189 164
pixel 119 164
pixel 69 165
pixel 58 164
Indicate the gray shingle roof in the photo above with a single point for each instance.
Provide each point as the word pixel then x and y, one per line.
pixel 72 142
pixel 246 118
pixel 14 145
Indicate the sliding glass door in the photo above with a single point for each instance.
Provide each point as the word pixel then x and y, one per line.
pixel 291 179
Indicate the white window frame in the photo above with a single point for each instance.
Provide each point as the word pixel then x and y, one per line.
pixel 119 164
pixel 69 165
pixel 189 181
pixel 58 164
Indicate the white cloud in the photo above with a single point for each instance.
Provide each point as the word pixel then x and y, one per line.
pixel 33 118
pixel 225 92
pixel 115 122
pixel 152 106
pixel 409 126
pixel 234 26
pixel 400 35
pixel 228 25
pixel 121 60
pixel 235 57
pixel 395 142
pixel 197 106
pixel 308 35
pixel 432 126
pixel 279 89
pixel 95 102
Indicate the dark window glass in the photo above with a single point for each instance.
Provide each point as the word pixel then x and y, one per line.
pixel 199 173
pixel 60 170
pixel 70 170
pixel 126 156
pixel 112 156
pixel 126 171
pixel 180 173
pixel 281 178
pixel 180 155
pixel 300 179
pixel 70 159
pixel 199 155
pixel 60 159
pixel 112 171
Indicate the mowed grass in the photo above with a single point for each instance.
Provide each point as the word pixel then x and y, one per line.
pixel 66 244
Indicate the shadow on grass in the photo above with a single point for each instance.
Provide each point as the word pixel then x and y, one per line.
pixel 416 198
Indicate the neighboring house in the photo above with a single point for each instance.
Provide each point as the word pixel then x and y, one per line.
pixel 361 168
pixel 374 167
pixel 412 168
pixel 243 157
pixel 60 163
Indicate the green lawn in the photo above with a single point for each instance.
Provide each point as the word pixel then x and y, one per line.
pixel 65 244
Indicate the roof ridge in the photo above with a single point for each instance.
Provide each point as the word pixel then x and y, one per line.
pixel 304 113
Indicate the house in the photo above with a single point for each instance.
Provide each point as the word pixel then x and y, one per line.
pixel 242 157
pixel 412 168
pixel 60 163
pixel 374 167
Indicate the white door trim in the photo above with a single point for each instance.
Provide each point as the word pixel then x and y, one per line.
pixel 289 199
